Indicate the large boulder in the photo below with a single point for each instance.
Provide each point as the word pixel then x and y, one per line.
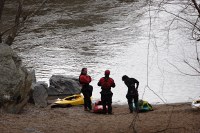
pixel 61 85
pixel 39 94
pixel 15 81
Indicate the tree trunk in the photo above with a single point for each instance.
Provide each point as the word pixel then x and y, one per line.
pixel 12 36
pixel 1 7
pixel 196 6
pixel 1 12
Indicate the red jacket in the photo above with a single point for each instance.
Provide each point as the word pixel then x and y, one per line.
pixel 106 84
pixel 84 79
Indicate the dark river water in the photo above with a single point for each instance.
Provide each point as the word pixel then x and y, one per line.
pixel 68 35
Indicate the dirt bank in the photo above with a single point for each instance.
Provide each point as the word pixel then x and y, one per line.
pixel 176 118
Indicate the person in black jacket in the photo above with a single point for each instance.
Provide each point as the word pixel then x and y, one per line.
pixel 132 93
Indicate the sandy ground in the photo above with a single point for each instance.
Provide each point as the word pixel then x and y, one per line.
pixel 176 118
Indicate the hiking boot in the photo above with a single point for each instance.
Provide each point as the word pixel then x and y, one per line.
pixel 137 111
pixel 136 107
pixel 110 113
pixel 104 112
pixel 131 107
pixel 91 111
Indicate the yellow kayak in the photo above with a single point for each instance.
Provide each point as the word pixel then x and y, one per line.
pixel 68 101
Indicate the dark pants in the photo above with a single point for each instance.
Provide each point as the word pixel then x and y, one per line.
pixel 87 93
pixel 106 98
pixel 130 98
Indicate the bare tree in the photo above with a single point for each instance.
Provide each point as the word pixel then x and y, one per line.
pixel 1 11
pixel 188 15
pixel 1 7
pixel 13 31
pixel 19 21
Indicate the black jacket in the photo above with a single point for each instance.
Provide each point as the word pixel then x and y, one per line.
pixel 132 85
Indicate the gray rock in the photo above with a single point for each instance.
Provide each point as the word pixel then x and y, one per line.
pixel 32 87
pixel 61 85
pixel 39 94
pixel 33 77
pixel 15 81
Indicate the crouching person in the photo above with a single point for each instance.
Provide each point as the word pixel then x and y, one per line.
pixel 106 95
pixel 132 93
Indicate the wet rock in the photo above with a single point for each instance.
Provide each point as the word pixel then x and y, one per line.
pixel 15 81
pixel 33 77
pixel 39 94
pixel 61 85
pixel 31 100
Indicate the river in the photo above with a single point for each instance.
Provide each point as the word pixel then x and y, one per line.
pixel 68 35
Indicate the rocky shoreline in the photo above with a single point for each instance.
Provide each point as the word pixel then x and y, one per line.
pixel 169 118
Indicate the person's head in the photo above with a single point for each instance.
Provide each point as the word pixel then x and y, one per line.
pixel 84 71
pixel 107 73
pixel 124 77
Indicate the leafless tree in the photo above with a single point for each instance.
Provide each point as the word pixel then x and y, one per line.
pixel 1 7
pixel 10 32
pixel 188 14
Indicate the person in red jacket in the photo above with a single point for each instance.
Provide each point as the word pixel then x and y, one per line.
pixel 106 95
pixel 87 89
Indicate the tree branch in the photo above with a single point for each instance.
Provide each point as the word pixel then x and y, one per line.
pixel 191 66
pixel 18 23
pixel 182 71
pixel 196 6
pixel 2 2
pixel 197 55
pixel 11 37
